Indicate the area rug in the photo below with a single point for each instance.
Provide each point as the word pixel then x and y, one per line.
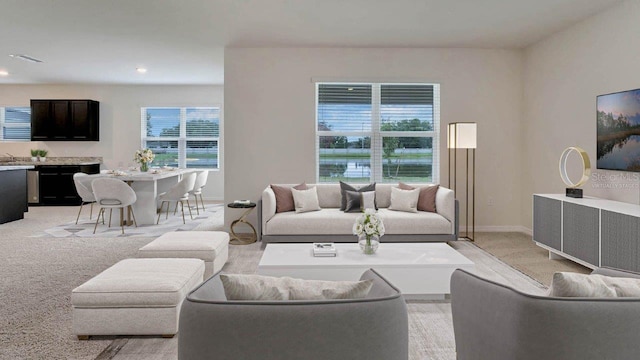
pixel 212 217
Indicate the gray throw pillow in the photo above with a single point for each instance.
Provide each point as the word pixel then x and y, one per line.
pixel 566 284
pixel 359 201
pixel 258 287
pixel 344 187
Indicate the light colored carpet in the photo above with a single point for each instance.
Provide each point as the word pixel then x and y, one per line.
pixel 211 216
pixel 519 251
pixel 37 276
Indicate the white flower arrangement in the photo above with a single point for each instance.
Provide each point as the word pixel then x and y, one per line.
pixel 144 156
pixel 368 224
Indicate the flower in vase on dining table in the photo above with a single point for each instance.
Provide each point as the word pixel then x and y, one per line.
pixel 144 157
pixel 367 226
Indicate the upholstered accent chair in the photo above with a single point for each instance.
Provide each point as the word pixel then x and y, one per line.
pixel 494 321
pixel 373 328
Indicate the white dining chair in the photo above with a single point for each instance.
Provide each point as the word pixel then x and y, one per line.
pixel 201 181
pixel 113 194
pixel 178 193
pixel 82 182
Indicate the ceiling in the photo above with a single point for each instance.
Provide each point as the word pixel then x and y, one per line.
pixel 183 41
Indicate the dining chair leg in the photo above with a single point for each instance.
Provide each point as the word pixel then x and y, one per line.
pixel 91 211
pixel 195 196
pixel 182 207
pixel 189 207
pixel 202 202
pixel 160 212
pixel 168 204
pixel 176 209
pixel 133 215
pixel 79 211
pixel 122 220
pixel 98 219
pixel 110 213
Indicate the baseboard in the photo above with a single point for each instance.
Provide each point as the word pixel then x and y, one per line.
pixel 501 228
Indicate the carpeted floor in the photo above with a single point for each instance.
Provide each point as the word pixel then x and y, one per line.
pixel 519 251
pixel 38 274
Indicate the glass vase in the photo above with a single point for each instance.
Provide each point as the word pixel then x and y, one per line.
pixel 368 244
pixel 144 167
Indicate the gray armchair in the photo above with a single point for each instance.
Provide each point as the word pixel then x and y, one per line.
pixel 212 327
pixel 493 321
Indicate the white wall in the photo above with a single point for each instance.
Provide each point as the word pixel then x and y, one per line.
pixel 119 120
pixel 563 74
pixel 270 112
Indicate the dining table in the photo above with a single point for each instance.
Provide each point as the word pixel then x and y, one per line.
pixel 147 186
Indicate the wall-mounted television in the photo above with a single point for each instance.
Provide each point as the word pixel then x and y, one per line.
pixel 618 122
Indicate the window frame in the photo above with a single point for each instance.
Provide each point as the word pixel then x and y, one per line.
pixel 182 138
pixel 376 135
pixel 5 125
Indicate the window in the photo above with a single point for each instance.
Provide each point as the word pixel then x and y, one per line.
pixel 15 123
pixel 186 137
pixel 377 132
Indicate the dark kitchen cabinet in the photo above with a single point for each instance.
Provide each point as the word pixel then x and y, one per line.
pixel 65 120
pixel 57 186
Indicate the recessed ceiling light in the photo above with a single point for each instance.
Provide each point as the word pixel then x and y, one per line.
pixel 141 70
pixel 26 58
pixel 4 73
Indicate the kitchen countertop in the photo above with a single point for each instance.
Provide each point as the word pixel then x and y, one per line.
pixel 16 167
pixel 5 161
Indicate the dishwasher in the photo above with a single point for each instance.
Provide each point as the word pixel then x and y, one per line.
pixel 33 186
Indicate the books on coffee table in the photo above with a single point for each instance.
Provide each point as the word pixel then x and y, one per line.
pixel 324 249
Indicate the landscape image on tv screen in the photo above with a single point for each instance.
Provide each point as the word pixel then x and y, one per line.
pixel 619 131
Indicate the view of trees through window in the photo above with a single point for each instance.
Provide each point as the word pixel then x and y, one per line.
pixel 182 137
pixel 376 132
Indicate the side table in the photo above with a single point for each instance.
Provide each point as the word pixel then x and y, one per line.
pixel 245 238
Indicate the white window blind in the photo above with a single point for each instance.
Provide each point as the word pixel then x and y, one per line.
pixel 15 123
pixel 377 132
pixel 187 137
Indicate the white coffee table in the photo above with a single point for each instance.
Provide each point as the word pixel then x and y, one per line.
pixel 419 270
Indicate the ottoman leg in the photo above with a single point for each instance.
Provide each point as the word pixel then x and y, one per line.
pixel 168 336
pixel 83 337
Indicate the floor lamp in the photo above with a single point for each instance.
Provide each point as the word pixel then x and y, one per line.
pixel 462 135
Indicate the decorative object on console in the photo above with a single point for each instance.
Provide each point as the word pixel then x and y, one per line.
pixel 572 190
pixel 144 157
pixel 463 135
pixel 369 228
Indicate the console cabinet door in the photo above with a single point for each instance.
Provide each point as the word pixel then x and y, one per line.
pixel 620 245
pixel 547 226
pixel 581 232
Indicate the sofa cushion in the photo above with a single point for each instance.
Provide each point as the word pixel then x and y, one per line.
pixel 332 221
pixel 404 200
pixel 284 197
pixel 344 187
pixel 427 198
pixel 305 200
pixel 258 287
pixel 358 201
pixel 566 284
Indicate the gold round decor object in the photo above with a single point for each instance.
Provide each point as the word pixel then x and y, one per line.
pixel 586 166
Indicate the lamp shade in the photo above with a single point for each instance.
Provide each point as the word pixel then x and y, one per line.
pixel 462 135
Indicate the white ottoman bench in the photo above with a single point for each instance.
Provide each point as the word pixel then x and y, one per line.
pixel 135 297
pixel 210 246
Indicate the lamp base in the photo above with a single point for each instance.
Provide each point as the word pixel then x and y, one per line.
pixel 574 193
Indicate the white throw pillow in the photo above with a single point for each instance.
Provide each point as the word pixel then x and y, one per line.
pixel 258 287
pixel 567 284
pixel 404 200
pixel 305 200
pixel 368 200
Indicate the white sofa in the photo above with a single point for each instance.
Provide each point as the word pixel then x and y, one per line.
pixel 332 224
